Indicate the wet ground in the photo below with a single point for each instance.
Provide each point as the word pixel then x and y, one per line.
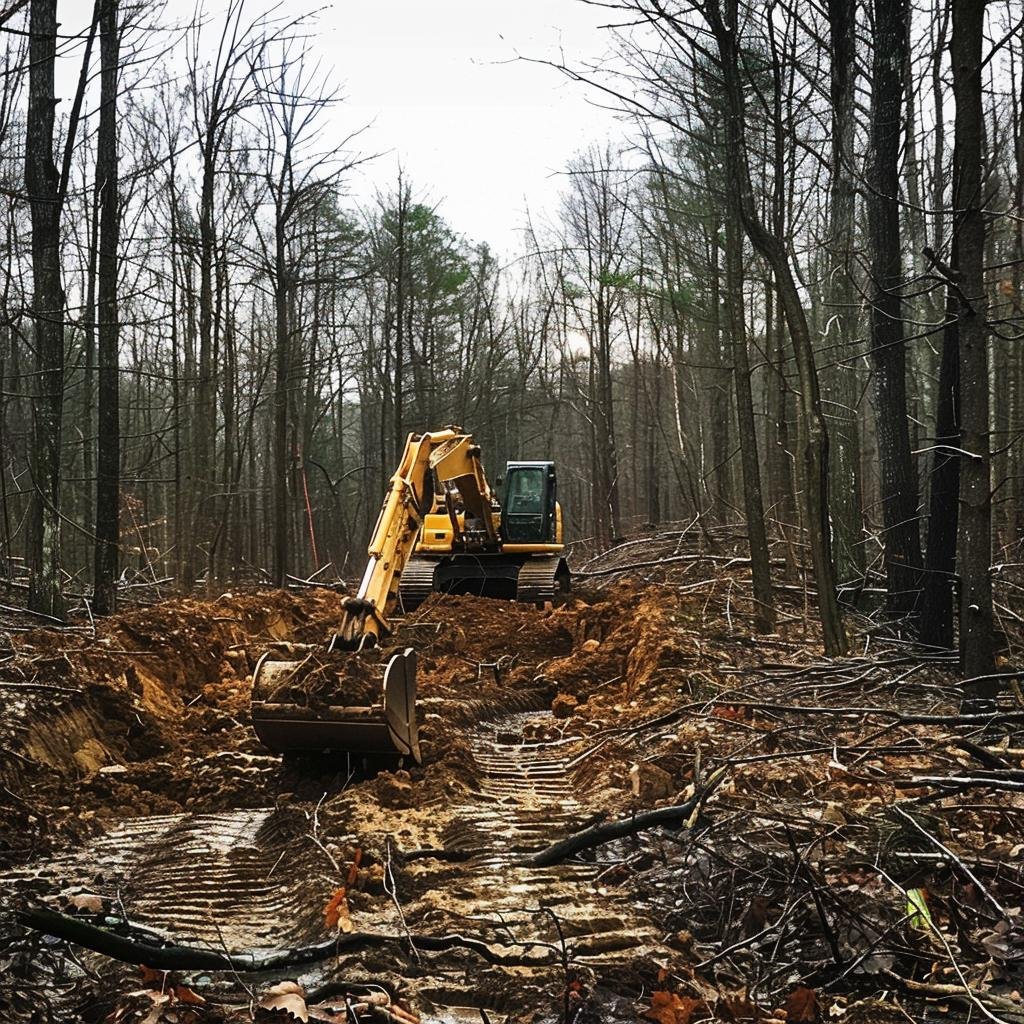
pixel 134 791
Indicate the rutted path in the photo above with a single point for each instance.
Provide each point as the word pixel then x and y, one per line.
pixel 528 799
pixel 249 879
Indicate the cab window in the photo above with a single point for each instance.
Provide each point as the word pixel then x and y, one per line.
pixel 526 491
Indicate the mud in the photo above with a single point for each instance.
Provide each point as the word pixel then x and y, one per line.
pixel 134 787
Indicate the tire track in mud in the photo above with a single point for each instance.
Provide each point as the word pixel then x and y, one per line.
pixel 528 799
pixel 212 879
pixel 254 879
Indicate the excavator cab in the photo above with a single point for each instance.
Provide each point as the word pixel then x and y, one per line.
pixel 528 515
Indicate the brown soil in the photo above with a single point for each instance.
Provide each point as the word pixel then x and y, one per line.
pixel 124 750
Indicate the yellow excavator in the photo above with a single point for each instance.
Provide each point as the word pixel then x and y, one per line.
pixel 441 529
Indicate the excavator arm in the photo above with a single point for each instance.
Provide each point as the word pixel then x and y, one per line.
pixel 451 458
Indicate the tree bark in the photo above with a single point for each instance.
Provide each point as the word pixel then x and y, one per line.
pixel 108 490
pixel 840 383
pixel 975 534
pixel 42 184
pixel 282 371
pixel 764 604
pixel 898 482
pixel 936 626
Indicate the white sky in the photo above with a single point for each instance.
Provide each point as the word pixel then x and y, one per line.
pixel 479 133
pixel 475 129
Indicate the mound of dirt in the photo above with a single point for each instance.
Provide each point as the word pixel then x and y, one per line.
pixel 151 715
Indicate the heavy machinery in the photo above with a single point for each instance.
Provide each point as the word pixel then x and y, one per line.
pixel 442 529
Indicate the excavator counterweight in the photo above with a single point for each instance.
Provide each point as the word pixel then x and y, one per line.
pixel 441 529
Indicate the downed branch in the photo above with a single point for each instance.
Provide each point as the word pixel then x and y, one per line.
pixel 604 832
pixel 988 1002
pixel 172 957
pixel 728 560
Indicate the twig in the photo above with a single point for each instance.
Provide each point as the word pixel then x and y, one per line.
pixel 999 908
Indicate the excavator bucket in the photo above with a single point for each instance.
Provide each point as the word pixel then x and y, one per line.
pixel 355 718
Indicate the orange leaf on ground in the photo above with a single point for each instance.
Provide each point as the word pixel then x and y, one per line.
pixel 185 995
pixel 671 1008
pixel 802 1005
pixel 353 871
pixel 336 913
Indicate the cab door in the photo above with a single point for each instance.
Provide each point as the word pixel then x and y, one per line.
pixel 528 513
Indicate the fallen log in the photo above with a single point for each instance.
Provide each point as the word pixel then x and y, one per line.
pixel 604 832
pixel 172 957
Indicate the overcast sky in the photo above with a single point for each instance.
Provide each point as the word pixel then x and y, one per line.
pixel 475 129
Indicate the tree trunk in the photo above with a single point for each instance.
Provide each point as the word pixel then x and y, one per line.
pixel 898 483
pixel 975 539
pixel 936 626
pixel 764 606
pixel 840 382
pixel 42 185
pixel 108 430
pixel 282 368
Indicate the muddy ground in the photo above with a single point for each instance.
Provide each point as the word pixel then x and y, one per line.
pixel 851 848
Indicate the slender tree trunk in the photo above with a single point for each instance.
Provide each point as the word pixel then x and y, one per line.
pixel 764 605
pixel 898 482
pixel 815 453
pixel 841 380
pixel 89 344
pixel 282 368
pixel 975 539
pixel 108 489
pixel 940 562
pixel 42 185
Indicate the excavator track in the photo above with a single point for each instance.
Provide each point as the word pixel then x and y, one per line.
pixel 417 583
pixel 542 580
pixel 536 580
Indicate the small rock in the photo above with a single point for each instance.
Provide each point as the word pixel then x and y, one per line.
pixel 590 645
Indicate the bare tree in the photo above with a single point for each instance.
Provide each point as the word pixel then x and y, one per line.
pixel 42 182
pixel 975 542
pixel 108 489
pixel 901 536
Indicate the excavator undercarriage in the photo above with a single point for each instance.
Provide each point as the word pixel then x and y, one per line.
pixel 441 530
pixel 536 579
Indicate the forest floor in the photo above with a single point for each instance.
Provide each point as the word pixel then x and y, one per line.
pixel 846 845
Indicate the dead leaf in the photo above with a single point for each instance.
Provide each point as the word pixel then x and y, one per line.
pixel 336 912
pixel 152 977
pixel 87 903
pixel 672 1008
pixel 287 996
pixel 737 1008
pixel 185 995
pixel 802 1005
pixel 353 871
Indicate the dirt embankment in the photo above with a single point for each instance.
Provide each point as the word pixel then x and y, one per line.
pixel 151 715
pixel 130 720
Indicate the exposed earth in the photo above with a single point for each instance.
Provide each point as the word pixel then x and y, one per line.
pixel 845 847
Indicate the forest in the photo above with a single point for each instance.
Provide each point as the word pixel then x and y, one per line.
pixel 771 335
pixel 718 323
